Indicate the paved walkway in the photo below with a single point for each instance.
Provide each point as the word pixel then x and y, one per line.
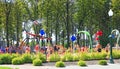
pixel 30 66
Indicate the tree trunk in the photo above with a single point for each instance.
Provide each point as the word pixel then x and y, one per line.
pixel 67 18
pixel 56 30
pixel 7 34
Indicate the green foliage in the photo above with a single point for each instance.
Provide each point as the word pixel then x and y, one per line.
pixel 5 59
pixel 41 57
pixel 68 56
pixel 65 45
pixel 54 57
pixel 37 62
pixel 98 56
pixel 17 61
pixel 1 67
pixel 82 63
pixel 116 54
pixel 27 58
pixel 102 62
pixel 76 57
pixel 60 64
pixel 63 58
pixel 85 56
pixel 92 14
pixel 15 55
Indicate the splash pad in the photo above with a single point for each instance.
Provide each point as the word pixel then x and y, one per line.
pixel 116 34
pixel 89 37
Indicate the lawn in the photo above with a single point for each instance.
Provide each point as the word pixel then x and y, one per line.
pixel 5 67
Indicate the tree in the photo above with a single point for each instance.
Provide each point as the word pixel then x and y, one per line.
pixel 7 9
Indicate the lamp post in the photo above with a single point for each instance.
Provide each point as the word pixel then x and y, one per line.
pixel 110 13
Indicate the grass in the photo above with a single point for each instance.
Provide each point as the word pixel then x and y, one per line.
pixel 5 67
pixel 1 67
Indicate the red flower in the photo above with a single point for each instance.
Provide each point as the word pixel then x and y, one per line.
pixel 96 38
pixel 99 33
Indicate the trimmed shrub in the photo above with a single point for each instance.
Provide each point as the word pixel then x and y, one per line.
pixel 116 54
pixel 98 56
pixel 69 57
pixel 41 57
pixel 5 59
pixel 85 56
pixel 102 62
pixel 82 63
pixel 60 64
pixel 54 57
pixel 63 58
pixel 17 61
pixel 75 57
pixel 15 55
pixel 27 58
pixel 37 62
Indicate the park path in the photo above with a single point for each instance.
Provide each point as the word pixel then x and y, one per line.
pixel 69 65
pixel 30 66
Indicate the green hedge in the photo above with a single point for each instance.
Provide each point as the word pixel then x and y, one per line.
pixel 54 57
pixel 15 55
pixel 68 56
pixel 102 62
pixel 17 61
pixel 37 62
pixel 76 57
pixel 60 64
pixel 82 63
pixel 41 57
pixel 85 56
pixel 27 58
pixel 5 59
pixel 116 54
pixel 98 56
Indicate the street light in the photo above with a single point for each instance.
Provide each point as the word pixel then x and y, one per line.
pixel 110 13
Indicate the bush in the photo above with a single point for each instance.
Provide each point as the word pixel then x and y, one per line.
pixel 116 54
pixel 41 57
pixel 82 63
pixel 60 64
pixel 98 56
pixel 54 57
pixel 27 58
pixel 15 56
pixel 75 57
pixel 17 61
pixel 102 62
pixel 5 59
pixel 69 57
pixel 85 56
pixel 63 58
pixel 37 62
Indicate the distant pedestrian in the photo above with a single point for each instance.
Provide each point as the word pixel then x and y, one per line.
pixel 37 48
pixel 98 47
pixel 107 47
pixel 27 49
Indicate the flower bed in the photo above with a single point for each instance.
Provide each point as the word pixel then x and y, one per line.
pixel 67 57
